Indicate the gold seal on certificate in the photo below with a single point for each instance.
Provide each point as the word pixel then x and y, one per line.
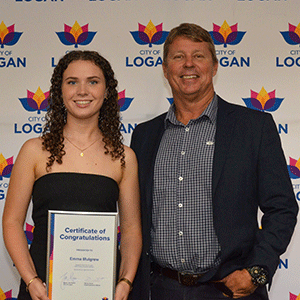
pixel 81 255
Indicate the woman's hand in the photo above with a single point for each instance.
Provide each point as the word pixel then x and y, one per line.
pixel 38 290
pixel 122 291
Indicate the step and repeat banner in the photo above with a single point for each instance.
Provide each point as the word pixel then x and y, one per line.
pixel 257 43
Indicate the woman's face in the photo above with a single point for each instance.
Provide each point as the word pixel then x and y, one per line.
pixel 83 89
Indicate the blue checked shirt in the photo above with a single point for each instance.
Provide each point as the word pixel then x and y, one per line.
pixel 182 234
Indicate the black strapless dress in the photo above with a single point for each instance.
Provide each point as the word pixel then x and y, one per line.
pixel 70 192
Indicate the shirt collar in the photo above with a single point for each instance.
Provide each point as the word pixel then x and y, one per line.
pixel 210 112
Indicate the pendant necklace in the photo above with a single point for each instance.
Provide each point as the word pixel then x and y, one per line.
pixel 81 150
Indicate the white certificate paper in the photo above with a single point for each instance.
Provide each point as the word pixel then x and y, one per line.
pixel 81 257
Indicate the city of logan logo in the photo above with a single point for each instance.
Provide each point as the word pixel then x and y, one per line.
pixel 226 35
pixel 123 101
pixel 292 37
pixel 29 233
pixel 170 100
pixel 37 101
pixel 294 297
pixel 76 35
pixel 294 168
pixel 8 36
pixel 150 34
pixel 7 295
pixel 6 166
pixel 263 101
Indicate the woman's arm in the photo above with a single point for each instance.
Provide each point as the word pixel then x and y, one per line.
pixel 15 210
pixel 130 223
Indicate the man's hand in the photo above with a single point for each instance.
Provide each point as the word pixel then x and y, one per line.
pixel 240 283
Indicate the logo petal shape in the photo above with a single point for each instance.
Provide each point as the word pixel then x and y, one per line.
pixel 85 38
pixel 253 103
pixel 290 37
pixel 217 38
pixel 66 38
pixel 273 104
pixel 293 169
pixel 159 37
pixel 12 38
pixel 171 100
pixel 294 172
pixel 28 104
pixel 140 37
pixel 235 38
pixel 7 171
pixel 124 103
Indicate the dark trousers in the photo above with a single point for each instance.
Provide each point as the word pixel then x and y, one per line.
pixel 164 288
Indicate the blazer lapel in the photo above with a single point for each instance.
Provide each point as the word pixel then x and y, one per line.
pixel 224 133
pixel 154 142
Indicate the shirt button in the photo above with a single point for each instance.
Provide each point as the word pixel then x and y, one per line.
pixel 180 205
pixel 180 233
pixel 180 178
pixel 182 152
pixel 183 260
pixel 187 129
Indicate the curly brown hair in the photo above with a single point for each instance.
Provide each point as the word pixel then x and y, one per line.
pixel 109 118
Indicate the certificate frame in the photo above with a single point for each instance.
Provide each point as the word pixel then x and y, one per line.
pixel 81 255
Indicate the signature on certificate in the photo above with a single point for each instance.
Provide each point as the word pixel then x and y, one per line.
pixel 93 281
pixel 68 279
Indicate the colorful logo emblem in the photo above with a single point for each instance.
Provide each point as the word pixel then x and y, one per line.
pixel 6 166
pixel 29 233
pixel 37 101
pixel 119 236
pixel 226 34
pixel 294 168
pixel 8 36
pixel 263 101
pixel 171 100
pixel 292 37
pixel 7 295
pixel 294 297
pixel 104 298
pixel 150 34
pixel 76 35
pixel 123 102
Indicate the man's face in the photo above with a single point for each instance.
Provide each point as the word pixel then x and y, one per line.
pixel 190 69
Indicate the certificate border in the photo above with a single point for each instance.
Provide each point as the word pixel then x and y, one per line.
pixel 50 242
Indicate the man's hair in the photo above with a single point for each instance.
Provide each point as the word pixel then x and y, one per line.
pixel 193 32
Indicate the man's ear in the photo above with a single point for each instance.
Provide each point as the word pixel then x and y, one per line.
pixel 165 70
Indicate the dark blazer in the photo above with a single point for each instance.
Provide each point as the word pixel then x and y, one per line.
pixel 249 172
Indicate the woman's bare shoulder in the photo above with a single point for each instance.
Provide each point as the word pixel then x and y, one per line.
pixel 129 155
pixel 33 146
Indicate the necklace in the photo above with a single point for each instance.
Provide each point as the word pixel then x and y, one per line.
pixel 81 150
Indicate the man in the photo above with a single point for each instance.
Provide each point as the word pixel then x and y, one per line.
pixel 205 167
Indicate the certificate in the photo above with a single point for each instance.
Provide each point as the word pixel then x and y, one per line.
pixel 81 255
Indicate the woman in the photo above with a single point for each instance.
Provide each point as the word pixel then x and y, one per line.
pixel 79 163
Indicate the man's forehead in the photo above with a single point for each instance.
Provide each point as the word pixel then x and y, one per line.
pixel 184 42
